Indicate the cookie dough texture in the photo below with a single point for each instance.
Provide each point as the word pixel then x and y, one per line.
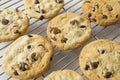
pixel 100 60
pixel 102 12
pixel 28 57
pixel 13 24
pixel 64 75
pixel 41 9
pixel 69 31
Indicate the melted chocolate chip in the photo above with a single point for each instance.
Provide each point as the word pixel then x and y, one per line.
pixel 29 46
pixel 30 35
pixel 64 40
pixel 41 17
pixel 17 32
pixel 87 67
pixel 54 38
pixel 23 66
pixel 16 73
pixel 109 8
pixel 89 15
pixel 107 74
pixel 43 11
pixel 59 1
pixel 17 10
pixel 5 21
pixel 56 31
pixel 82 26
pixel 33 57
pixel 93 8
pixel 73 22
pixel 36 2
pixel 104 17
pixel 94 64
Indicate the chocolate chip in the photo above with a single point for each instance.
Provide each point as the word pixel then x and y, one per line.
pixel 33 57
pixel 59 1
pixel 101 51
pixel 17 32
pixel 89 15
pixel 107 74
pixel 109 8
pixel 5 21
pixel 96 5
pixel 30 35
pixel 16 73
pixel 87 67
pixel 41 17
pixel 94 20
pixel 116 16
pixel 38 11
pixel 43 11
pixel 36 2
pixel 104 17
pixel 29 46
pixel 51 29
pixel 64 40
pixel 82 26
pixel 56 31
pixel 23 66
pixel 51 58
pixel 94 64
pixel 93 8
pixel 74 22
pixel 54 38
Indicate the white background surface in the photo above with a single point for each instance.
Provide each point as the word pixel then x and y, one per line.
pixel 64 59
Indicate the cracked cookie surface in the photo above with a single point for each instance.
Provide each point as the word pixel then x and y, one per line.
pixel 69 31
pixel 13 23
pixel 102 12
pixel 28 57
pixel 64 75
pixel 41 9
pixel 100 60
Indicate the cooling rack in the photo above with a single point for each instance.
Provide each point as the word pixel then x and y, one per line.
pixel 61 59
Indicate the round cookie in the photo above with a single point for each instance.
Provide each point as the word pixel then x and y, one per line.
pixel 102 12
pixel 69 31
pixel 28 57
pixel 13 23
pixel 64 75
pixel 41 9
pixel 100 60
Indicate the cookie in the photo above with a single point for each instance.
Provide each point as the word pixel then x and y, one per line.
pixel 28 57
pixel 13 24
pixel 64 75
pixel 41 9
pixel 100 60
pixel 102 12
pixel 69 31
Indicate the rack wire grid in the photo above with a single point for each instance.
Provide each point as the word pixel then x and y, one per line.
pixel 61 59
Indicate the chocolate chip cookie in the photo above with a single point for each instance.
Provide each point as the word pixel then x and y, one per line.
pixel 64 75
pixel 41 9
pixel 13 23
pixel 69 31
pixel 28 57
pixel 100 60
pixel 102 12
